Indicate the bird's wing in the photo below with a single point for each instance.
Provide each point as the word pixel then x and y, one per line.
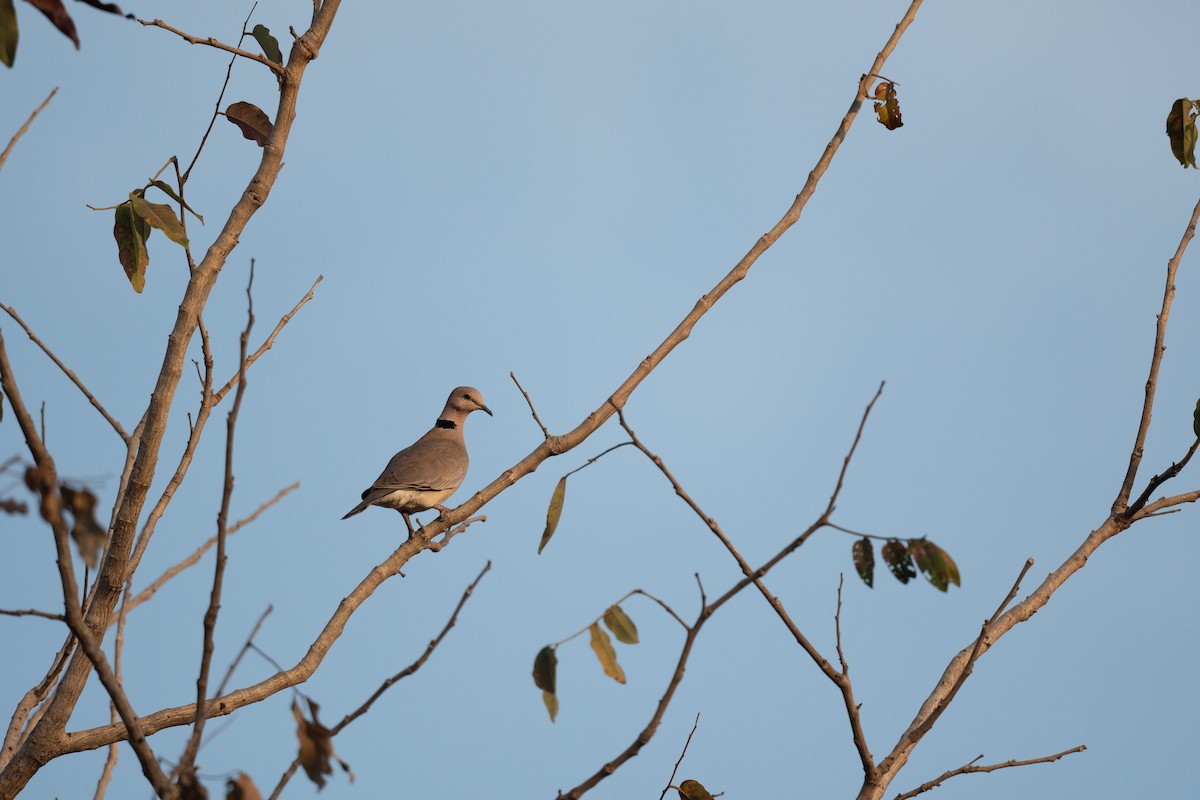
pixel 430 465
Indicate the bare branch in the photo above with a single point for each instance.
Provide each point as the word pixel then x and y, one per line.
pixel 532 410
pixel 671 780
pixel 187 762
pixel 213 42
pixel 1120 505
pixel 233 665
pixel 970 767
pixel 268 344
pixel 70 374
pixel 24 128
pixel 33 612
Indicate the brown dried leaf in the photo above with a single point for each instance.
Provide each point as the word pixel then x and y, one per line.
pixel 88 534
pixel 11 505
pixel 889 110
pixel 316 746
pixel 252 120
pixel 241 788
pixel 56 13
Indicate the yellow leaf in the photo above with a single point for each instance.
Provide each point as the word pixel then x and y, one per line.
pixel 603 648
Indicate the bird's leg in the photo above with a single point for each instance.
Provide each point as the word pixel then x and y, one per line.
pixel 408 522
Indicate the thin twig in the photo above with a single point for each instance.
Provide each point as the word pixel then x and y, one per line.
pixel 213 42
pixel 187 762
pixel 1158 480
pixel 233 665
pixel 33 612
pixel 69 373
pixel 532 410
pixel 195 557
pixel 220 394
pixel 596 458
pixel 1016 587
pixel 216 113
pixel 1160 334
pixel 671 780
pixel 970 767
pixel 620 600
pixel 22 130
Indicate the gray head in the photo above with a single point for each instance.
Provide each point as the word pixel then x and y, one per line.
pixel 461 402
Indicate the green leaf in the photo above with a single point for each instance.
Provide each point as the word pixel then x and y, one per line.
pixel 161 216
pixel 268 43
pixel 166 188
pixel 1181 130
pixel 935 563
pixel 551 701
pixel 553 512
pixel 895 555
pixel 602 646
pixel 864 560
pixel 544 667
pixel 693 790
pixel 252 121
pixel 130 231
pixel 8 32
pixel 1196 420
pixel 621 625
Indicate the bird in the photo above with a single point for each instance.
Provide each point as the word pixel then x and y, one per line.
pixel 428 471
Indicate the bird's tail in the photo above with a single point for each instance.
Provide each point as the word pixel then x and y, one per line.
pixel 358 509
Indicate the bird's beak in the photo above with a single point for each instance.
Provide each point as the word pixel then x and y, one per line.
pixel 482 407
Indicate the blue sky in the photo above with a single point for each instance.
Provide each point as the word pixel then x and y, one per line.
pixel 547 188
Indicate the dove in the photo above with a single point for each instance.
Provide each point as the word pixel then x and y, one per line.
pixel 428 471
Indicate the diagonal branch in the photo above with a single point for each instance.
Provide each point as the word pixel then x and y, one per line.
pixel 69 373
pixel 24 128
pixel 266 345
